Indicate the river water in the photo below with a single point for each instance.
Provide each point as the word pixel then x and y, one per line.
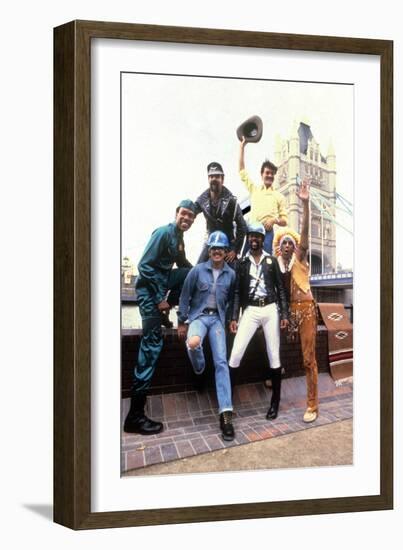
pixel 131 317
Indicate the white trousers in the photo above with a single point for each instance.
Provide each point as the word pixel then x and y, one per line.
pixel 252 318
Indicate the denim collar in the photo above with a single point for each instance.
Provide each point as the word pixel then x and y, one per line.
pixel 210 265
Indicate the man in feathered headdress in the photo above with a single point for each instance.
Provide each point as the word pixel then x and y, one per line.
pixel 292 250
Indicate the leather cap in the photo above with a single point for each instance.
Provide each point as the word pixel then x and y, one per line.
pixel 252 129
pixel 215 168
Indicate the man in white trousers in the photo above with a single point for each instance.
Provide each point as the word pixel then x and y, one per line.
pixel 260 292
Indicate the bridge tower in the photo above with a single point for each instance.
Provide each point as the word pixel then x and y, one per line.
pixel 297 157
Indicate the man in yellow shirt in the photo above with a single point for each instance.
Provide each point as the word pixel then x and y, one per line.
pixel 267 206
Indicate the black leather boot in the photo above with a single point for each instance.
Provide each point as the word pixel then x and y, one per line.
pixel 275 397
pixel 232 377
pixel 165 322
pixel 227 429
pixel 137 422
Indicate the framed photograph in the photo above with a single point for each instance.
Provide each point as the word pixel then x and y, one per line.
pixel 144 117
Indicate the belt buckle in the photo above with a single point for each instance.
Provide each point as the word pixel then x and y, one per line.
pixel 261 302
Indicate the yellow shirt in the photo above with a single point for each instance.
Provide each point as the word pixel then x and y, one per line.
pixel 264 202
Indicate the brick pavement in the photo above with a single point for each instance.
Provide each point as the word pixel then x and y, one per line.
pixel 191 422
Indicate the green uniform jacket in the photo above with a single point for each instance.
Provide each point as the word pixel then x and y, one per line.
pixel 164 249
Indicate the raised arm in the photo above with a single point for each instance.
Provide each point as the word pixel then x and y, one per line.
pixel 248 183
pixel 303 194
pixel 242 154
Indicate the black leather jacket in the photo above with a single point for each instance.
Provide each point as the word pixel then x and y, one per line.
pixel 228 214
pixel 273 282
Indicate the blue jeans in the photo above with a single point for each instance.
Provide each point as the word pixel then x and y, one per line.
pixel 268 242
pixel 211 325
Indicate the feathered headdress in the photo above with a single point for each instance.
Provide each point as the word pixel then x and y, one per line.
pixel 280 235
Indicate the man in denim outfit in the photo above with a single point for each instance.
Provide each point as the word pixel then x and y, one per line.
pixel 204 305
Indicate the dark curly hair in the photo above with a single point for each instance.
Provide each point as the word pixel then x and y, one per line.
pixel 268 164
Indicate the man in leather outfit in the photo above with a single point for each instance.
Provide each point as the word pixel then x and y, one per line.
pixel 260 292
pixel 222 213
pixel 156 278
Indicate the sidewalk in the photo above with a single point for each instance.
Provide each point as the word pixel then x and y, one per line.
pixel 192 426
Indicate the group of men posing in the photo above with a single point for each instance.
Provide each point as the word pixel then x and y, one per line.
pixel 269 282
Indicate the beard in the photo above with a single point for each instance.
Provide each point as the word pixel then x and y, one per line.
pixel 215 185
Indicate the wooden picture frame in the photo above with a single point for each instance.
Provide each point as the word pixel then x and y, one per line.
pixel 72 273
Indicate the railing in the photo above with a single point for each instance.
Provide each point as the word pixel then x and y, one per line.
pixel 337 276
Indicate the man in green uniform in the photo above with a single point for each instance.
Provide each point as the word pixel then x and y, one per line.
pixel 156 280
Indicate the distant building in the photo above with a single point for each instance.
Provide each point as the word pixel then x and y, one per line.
pixel 297 157
pixel 127 270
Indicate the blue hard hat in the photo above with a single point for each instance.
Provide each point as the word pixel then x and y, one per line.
pixel 218 239
pixel 256 227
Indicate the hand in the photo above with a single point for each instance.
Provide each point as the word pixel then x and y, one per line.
pixel 230 256
pixel 233 327
pixel 182 331
pixel 303 191
pixel 268 224
pixel 243 142
pixel 163 306
pixel 284 324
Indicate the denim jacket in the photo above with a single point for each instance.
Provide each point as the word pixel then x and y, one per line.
pixel 195 291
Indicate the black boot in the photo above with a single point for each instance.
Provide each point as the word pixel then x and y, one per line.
pixel 232 377
pixel 275 397
pixel 227 429
pixel 165 322
pixel 137 422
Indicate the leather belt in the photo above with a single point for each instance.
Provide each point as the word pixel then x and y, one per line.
pixel 209 311
pixel 260 302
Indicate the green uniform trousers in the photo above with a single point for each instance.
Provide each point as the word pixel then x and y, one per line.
pixel 152 341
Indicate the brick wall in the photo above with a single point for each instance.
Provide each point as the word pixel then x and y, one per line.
pixel 174 372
